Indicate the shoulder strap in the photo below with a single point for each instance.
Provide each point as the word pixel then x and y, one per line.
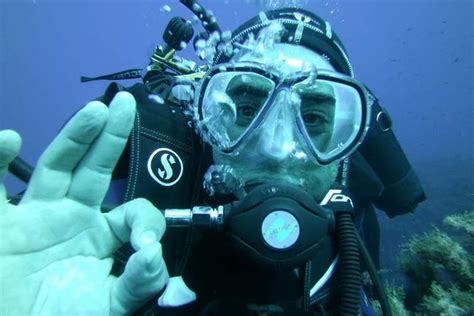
pixel 162 161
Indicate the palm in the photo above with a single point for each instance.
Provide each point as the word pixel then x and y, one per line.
pixel 57 250
pixel 56 245
pixel 63 227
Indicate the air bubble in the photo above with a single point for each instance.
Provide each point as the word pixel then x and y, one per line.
pixel 182 92
pixel 201 43
pixel 226 36
pixel 165 8
pixel 156 98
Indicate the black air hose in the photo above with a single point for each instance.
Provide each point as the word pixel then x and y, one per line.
pixel 206 17
pixel 21 169
pixel 350 265
pixel 379 290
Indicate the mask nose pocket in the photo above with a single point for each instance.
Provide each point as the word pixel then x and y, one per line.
pixel 277 131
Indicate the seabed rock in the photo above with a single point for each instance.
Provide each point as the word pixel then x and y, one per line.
pixel 440 272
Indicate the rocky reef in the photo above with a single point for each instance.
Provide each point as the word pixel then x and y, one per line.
pixel 439 269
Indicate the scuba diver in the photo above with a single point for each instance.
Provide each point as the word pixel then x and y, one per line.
pixel 266 166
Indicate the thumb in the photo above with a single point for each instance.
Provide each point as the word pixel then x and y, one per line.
pixel 10 143
pixel 144 276
pixel 137 221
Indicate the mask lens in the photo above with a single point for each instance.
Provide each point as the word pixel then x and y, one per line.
pixel 231 103
pixel 330 114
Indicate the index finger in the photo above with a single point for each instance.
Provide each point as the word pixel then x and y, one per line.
pixel 52 175
pixel 92 176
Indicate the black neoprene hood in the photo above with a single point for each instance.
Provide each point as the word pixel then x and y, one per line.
pixel 304 28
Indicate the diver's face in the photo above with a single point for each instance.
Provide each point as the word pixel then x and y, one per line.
pixel 276 151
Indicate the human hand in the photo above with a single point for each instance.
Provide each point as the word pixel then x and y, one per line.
pixel 56 246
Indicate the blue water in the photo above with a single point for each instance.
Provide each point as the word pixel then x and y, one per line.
pixel 416 56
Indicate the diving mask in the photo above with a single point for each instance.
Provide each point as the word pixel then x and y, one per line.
pixel 326 111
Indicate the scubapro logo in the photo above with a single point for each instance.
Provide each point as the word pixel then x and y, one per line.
pixel 165 166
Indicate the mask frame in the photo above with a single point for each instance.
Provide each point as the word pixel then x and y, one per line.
pixel 280 83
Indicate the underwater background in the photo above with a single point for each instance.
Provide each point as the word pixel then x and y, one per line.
pixel 417 57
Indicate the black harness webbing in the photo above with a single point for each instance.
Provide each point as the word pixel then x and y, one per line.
pixel 163 161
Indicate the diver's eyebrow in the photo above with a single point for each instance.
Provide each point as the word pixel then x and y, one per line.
pixel 245 87
pixel 316 96
pixel 239 86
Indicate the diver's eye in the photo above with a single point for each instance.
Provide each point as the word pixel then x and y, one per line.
pixel 313 119
pixel 247 112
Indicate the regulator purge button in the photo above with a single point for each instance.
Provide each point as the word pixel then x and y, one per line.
pixel 280 229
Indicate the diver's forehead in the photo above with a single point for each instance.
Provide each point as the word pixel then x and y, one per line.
pixel 288 58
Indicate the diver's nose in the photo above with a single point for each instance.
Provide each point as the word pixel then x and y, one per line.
pixel 277 137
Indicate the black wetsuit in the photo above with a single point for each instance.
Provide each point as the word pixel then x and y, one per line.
pixel 210 267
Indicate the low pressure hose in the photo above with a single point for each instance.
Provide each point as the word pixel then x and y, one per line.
pixel 379 290
pixel 350 264
pixel 207 19
pixel 21 169
pixel 347 242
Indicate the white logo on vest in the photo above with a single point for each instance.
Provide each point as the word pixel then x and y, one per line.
pixel 165 166
pixel 336 196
